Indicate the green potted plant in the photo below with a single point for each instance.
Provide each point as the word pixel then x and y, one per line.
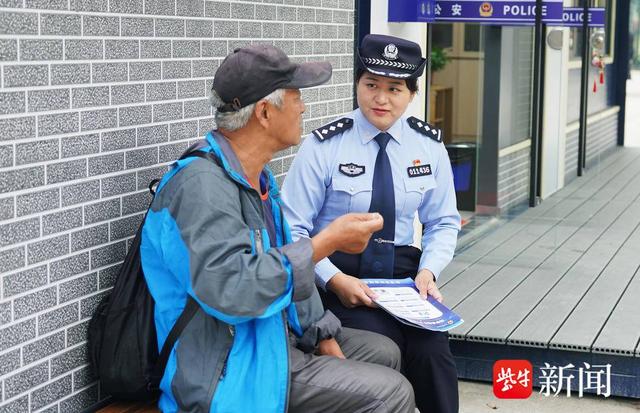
pixel 439 59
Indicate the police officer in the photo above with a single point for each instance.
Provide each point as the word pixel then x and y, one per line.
pixel 376 159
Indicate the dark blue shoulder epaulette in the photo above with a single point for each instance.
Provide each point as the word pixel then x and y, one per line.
pixel 332 129
pixel 425 129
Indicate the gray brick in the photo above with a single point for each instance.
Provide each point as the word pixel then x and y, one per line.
pixel 14 258
pixel 5 313
pixel 11 3
pixel 155 49
pixel 136 26
pixel 176 69
pixel 82 378
pixel 145 176
pixel 37 201
pixel 186 48
pixel 80 192
pixel 183 130
pixel 60 24
pixel 217 9
pixel 78 333
pixel 11 102
pixel 242 11
pixel 101 211
pixel 18 23
pixel 26 75
pixel 23 381
pixel 304 47
pixel 109 72
pixel 80 401
pixel 164 7
pixel 58 318
pixel 66 171
pixel 205 68
pixel 67 74
pixel 41 49
pixel 119 184
pixel 170 28
pixel 89 5
pixel 145 71
pixel 192 89
pixel 250 30
pixel 167 111
pixel 89 237
pixel 205 125
pixel 83 49
pixel 24 281
pixel 9 362
pixel 38 151
pixel 47 249
pixel 125 227
pixel 45 100
pixel 272 30
pixel 214 48
pixel 107 255
pixel 161 91
pixel 141 157
pixel 127 94
pixel 107 277
pixel 100 26
pixel 135 115
pixel 152 135
pixel 120 139
pixel 57 123
pixel 46 4
pixel 80 145
pixel 132 203
pixel 20 231
pixel 197 108
pixel 42 348
pixel 17 128
pixel 70 266
pixel 106 164
pixel 172 152
pixel 294 31
pixel 6 156
pixel 85 97
pixel 225 29
pixel 51 392
pixel 193 8
pixel 306 15
pixel 7 209
pixel 321 47
pixel 34 302
pixel 69 360
pixel 99 119
pixel 122 49
pixel 61 221
pixel 18 405
pixel 287 14
pixel 199 28
pixel 287 46
pixel 25 178
pixel 8 50
pixel 79 287
pixel 126 6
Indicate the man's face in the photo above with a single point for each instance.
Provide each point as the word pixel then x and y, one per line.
pixel 382 100
pixel 287 121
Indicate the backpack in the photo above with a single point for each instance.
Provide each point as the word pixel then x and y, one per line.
pixel 123 345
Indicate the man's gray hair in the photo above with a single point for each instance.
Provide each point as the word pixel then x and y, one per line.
pixel 235 120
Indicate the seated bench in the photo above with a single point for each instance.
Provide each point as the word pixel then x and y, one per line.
pixel 124 407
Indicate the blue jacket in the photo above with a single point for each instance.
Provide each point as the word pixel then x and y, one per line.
pixel 205 236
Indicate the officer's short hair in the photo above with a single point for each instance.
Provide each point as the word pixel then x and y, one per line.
pixel 232 121
pixel 412 84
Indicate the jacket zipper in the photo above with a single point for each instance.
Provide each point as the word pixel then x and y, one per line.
pixel 258 238
pixel 286 339
pixel 226 357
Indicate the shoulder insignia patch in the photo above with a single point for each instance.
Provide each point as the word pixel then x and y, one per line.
pixel 425 129
pixel 332 129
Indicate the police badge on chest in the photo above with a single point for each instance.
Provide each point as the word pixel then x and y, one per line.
pixel 351 169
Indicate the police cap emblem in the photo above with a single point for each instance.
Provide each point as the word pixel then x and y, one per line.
pixel 390 52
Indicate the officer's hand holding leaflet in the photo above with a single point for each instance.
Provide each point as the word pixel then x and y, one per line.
pixel 351 291
pixel 426 283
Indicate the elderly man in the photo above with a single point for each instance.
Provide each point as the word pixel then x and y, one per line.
pixel 215 233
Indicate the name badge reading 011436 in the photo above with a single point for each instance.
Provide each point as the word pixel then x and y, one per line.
pixel 420 170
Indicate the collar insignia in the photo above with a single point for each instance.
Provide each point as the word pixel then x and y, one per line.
pixel 425 129
pixel 332 129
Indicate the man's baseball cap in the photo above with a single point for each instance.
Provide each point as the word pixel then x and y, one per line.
pixel 251 73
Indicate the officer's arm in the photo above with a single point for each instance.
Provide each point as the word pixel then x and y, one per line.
pixel 439 216
pixel 303 193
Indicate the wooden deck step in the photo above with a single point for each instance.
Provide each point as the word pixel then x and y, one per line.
pixel 122 407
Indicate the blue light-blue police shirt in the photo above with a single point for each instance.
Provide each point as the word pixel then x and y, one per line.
pixel 315 191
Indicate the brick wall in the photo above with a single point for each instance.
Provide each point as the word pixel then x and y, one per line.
pixel 97 96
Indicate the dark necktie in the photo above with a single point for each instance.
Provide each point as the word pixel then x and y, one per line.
pixel 377 259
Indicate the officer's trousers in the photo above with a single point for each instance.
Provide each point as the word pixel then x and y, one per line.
pixel 426 356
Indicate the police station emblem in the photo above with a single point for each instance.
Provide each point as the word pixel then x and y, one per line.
pixel 351 169
pixel 486 9
pixel 419 170
pixel 390 52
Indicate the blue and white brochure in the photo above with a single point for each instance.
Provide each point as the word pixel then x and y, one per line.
pixel 401 299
